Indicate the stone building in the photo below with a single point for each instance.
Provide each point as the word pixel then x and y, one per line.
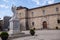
pixel 6 22
pixel 44 17
pixel 1 25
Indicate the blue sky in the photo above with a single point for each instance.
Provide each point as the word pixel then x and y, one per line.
pixel 5 5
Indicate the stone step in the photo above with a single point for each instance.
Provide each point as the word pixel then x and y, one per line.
pixel 19 35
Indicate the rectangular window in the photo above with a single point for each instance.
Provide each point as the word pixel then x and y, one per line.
pixel 32 13
pixel 43 12
pixel 58 21
pixel 57 9
pixel 20 13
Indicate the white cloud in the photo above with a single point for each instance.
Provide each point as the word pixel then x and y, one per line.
pixel 47 2
pixel 36 1
pixel 5 0
pixel 43 2
pixel 4 6
pixel 50 1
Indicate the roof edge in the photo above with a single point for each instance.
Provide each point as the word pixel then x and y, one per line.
pixel 45 6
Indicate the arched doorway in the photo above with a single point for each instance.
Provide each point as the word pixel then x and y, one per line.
pixel 44 25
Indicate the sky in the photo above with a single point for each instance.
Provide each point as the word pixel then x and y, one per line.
pixel 5 5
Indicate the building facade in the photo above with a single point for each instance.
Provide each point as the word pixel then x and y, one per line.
pixel 1 25
pixel 45 17
pixel 6 22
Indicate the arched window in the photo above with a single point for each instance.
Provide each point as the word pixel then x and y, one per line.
pixel 33 23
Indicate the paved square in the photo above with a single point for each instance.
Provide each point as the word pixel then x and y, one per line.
pixel 42 35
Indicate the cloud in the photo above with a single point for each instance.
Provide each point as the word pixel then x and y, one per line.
pixel 36 1
pixel 4 6
pixel 43 2
pixel 50 1
pixel 5 0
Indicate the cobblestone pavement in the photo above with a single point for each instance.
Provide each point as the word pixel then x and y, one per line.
pixel 42 35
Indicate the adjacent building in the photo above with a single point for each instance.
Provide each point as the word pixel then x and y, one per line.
pixel 6 22
pixel 1 25
pixel 44 17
